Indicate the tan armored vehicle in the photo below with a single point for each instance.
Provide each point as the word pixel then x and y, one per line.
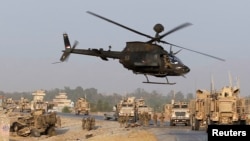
pixel 141 107
pixel 24 105
pixel 82 106
pixel 224 107
pixel 179 113
pixel 9 103
pixel 39 105
pixel 199 109
pixel 128 109
pixel 35 124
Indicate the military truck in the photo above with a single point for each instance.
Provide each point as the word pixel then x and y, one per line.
pixel 82 106
pixel 224 108
pixel 179 113
pixel 247 110
pixel 35 124
pixel 128 109
pixel 142 107
pixel 39 105
pixel 199 109
pixel 24 105
pixel 9 103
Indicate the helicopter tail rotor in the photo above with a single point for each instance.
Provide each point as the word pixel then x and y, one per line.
pixel 68 48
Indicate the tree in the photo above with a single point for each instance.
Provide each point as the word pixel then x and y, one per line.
pixel 66 109
pixel 190 96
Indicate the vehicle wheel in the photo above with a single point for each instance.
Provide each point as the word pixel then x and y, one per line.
pixel 86 113
pixel 51 131
pixel 15 127
pixel 35 133
pixel 171 123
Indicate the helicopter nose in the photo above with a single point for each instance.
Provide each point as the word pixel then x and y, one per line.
pixel 186 69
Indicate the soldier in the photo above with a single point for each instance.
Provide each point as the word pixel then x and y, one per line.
pixel 92 122
pixel 126 120
pixel 84 123
pixel 58 121
pixel 88 124
pixel 155 119
pixel 120 121
pixel 140 118
pixel 162 117
pixel 145 118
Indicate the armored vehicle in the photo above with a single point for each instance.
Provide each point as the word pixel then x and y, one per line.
pixel 39 105
pixel 128 109
pixel 82 106
pixel 24 105
pixel 179 113
pixel 35 124
pixel 142 107
pixel 224 108
pixel 199 109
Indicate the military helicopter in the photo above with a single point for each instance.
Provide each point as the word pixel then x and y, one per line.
pixel 147 58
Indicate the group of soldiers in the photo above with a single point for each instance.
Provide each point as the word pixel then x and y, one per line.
pixel 123 120
pixel 143 119
pixel 88 123
pixel 155 118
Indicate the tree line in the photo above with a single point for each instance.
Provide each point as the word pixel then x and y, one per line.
pixel 103 102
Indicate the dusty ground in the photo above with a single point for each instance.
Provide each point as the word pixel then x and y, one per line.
pixel 71 130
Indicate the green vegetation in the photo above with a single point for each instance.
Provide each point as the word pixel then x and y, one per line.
pixel 66 110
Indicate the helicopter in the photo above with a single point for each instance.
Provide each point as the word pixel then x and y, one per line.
pixel 146 58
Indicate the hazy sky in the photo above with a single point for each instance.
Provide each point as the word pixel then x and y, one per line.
pixel 31 40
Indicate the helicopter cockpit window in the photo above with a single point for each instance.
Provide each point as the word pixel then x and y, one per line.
pixel 174 60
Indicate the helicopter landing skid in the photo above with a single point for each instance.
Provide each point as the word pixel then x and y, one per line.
pixel 158 83
pixel 149 82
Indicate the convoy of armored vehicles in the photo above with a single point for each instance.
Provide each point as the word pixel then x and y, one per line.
pixel 214 107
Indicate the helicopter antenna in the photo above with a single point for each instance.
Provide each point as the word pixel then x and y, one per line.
pixel 238 82
pixel 230 79
pixel 212 84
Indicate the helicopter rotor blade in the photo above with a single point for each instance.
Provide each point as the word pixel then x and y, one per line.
pixel 169 32
pixel 194 51
pixel 130 29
